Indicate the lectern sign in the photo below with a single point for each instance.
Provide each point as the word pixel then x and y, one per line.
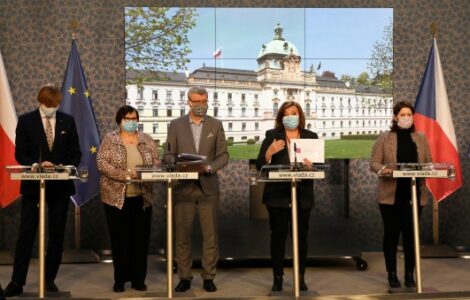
pixel 39 176
pixel 297 175
pixel 427 174
pixel 166 176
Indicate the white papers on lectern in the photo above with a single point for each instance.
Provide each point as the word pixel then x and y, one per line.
pixel 311 149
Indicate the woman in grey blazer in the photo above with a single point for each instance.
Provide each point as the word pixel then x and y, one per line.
pixel 401 144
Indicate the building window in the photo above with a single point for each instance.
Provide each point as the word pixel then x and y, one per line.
pixel 229 97
pixel 244 138
pixel 230 126
pixel 154 94
pixel 169 112
pixel 256 126
pixel 257 138
pixel 307 109
pixel 140 93
pixel 256 111
pixel 275 108
pixel 182 111
pixel 324 124
pixel 140 127
pixel 229 111
pixel 309 126
pixel 140 110
pixel 256 98
pixel 127 94
pixel 168 95
pixel 155 111
pixel 182 94
pixel 216 111
pixel 243 99
pixel 341 124
pixel 243 126
pixel 155 127
pixel 216 96
pixel 243 111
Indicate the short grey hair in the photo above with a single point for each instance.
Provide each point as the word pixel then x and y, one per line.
pixel 197 90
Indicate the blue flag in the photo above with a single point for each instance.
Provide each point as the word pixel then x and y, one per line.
pixel 77 102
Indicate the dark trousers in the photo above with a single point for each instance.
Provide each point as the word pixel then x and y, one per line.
pixel 398 219
pixel 129 229
pixel 279 222
pixel 57 207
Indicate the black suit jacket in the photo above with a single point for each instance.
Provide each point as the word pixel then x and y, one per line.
pixel 278 194
pixel 31 147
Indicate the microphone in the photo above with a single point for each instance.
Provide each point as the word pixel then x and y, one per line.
pixel 296 166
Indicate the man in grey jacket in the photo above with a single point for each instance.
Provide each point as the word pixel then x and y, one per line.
pixel 197 133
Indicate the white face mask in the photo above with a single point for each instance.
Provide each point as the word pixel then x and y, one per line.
pixel 405 122
pixel 48 111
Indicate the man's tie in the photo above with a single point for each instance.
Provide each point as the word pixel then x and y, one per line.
pixel 49 136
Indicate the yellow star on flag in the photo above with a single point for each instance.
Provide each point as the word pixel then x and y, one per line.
pixel 93 149
pixel 87 93
pixel 72 90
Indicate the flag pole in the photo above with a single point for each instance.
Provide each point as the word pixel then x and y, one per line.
pixel 435 204
pixel 74 26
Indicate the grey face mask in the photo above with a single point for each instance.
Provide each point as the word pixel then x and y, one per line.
pixel 199 110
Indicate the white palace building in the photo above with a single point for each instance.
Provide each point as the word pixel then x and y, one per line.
pixel 247 101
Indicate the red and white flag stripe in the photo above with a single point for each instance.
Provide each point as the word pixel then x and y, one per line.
pixel 9 190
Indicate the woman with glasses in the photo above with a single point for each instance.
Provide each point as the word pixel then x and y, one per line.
pixel 127 206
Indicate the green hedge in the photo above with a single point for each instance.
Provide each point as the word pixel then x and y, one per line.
pixel 360 137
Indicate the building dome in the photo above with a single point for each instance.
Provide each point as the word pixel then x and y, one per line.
pixel 278 45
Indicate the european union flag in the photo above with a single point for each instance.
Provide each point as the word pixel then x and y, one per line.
pixel 77 102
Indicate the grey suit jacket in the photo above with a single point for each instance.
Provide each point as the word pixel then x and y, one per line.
pixel 212 144
pixel 385 152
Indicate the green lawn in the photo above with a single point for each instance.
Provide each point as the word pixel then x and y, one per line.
pixel 334 149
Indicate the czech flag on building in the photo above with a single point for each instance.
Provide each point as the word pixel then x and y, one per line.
pixel 9 189
pixel 433 117
pixel 217 53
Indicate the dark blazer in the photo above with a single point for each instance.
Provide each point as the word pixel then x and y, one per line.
pixel 31 147
pixel 278 194
pixel 212 144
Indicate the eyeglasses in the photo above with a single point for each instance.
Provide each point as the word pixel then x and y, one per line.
pixel 126 119
pixel 200 102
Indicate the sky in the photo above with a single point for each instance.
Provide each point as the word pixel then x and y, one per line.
pixel 340 38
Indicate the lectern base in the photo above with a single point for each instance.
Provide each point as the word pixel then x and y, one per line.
pixel 407 290
pixel 6 258
pixel 80 256
pixel 290 293
pixel 175 295
pixel 438 251
pixel 35 295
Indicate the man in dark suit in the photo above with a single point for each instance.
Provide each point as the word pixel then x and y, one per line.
pixel 48 137
pixel 197 133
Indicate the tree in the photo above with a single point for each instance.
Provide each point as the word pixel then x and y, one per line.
pixel 157 39
pixel 348 78
pixel 381 62
pixel 363 79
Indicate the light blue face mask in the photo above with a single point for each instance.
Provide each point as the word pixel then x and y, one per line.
pixel 290 122
pixel 129 126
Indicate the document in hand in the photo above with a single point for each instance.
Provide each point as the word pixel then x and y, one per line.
pixel 191 163
pixel 311 149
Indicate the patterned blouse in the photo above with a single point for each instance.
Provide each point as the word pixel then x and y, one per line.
pixel 112 163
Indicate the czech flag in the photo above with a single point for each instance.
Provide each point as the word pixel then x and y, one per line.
pixel 9 189
pixel 217 53
pixel 433 117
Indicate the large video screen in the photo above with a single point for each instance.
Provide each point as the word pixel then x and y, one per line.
pixel 337 63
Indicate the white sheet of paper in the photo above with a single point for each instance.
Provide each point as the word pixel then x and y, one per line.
pixel 311 149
